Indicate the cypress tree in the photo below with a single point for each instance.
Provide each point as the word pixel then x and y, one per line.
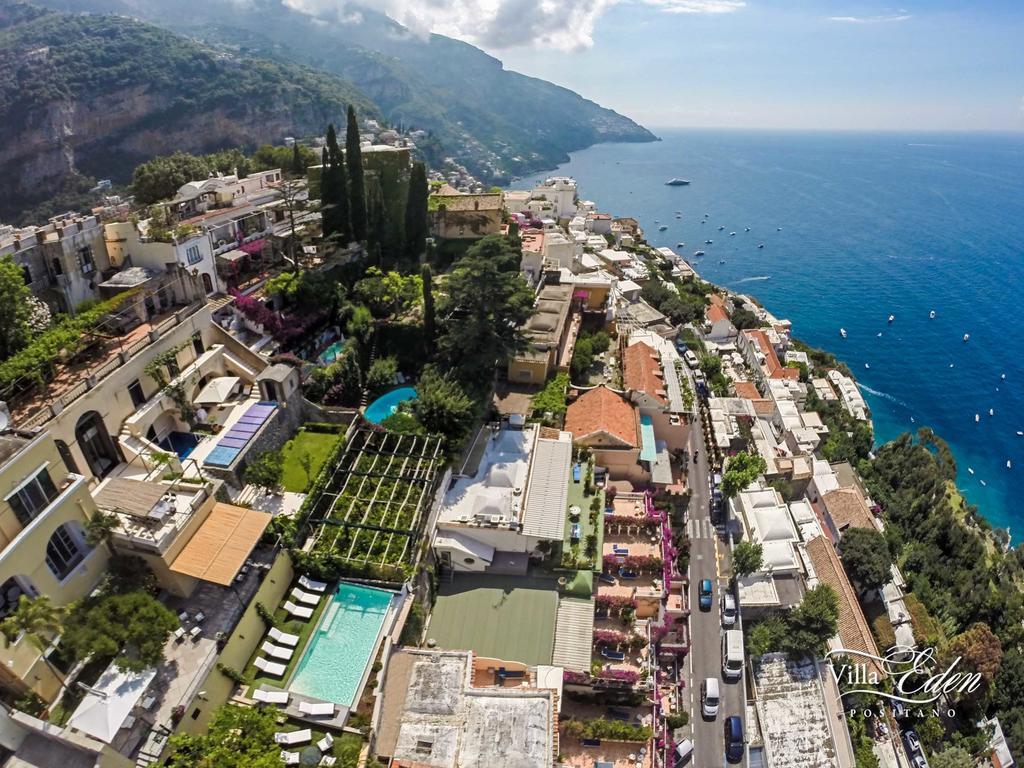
pixel 339 189
pixel 356 182
pixel 298 164
pixel 327 208
pixel 416 213
pixel 429 318
pixel 377 218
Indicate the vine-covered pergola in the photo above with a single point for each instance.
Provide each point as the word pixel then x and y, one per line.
pixel 373 506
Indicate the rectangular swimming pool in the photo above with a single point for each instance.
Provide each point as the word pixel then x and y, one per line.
pixel 343 645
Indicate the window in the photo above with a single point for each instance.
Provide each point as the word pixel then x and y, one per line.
pixel 135 392
pixel 33 497
pixel 85 261
pixel 63 553
pixel 193 254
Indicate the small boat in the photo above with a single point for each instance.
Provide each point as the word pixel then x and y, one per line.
pixel 977 418
pixel 746 229
pixel 662 228
pixel 679 216
pixel 708 242
pixel 680 245
pixel 983 482
pixel 674 182
pixel 698 253
pixel 702 221
pixel 931 315
pixel 778 229
pixel 991 412
pixel 891 318
pixel 732 234
pixel 970 470
pixel 1003 377
pixel 967 336
pixel 1009 464
pixel 879 334
pixel 842 332
pixel 721 228
pixel 867 366
pixel 721 261
pixel 760 245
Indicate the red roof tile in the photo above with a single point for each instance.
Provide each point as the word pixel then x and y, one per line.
pixel 642 371
pixel 601 410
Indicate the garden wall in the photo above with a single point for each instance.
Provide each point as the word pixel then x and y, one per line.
pixel 248 634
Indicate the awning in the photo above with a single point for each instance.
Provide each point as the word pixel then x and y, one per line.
pixel 232 256
pixel 133 497
pixel 109 702
pixel 217 390
pixel 648 448
pixel 221 545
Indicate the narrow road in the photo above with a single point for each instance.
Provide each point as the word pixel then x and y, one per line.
pixel 709 559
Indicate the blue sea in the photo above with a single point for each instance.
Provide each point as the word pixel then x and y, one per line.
pixel 858 226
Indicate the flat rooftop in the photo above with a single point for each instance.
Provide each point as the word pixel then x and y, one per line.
pixel 502 617
pixel 446 722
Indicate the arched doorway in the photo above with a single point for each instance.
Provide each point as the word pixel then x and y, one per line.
pixel 11 591
pixel 66 549
pixel 207 283
pixel 94 440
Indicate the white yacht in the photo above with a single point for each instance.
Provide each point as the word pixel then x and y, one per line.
pixel 842 332
pixel 967 336
pixel 931 315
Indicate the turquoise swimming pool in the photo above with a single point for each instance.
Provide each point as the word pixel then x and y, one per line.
pixel 331 354
pixel 387 404
pixel 343 645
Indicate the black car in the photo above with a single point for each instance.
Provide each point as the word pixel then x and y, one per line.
pixel 733 739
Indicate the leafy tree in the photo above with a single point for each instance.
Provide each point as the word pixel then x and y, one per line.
pixel 416 213
pixel 388 293
pixel 348 384
pixel 485 308
pixel 15 308
pixel 356 184
pixel 980 650
pixel 740 471
pixel 582 358
pixel 767 636
pixel 381 374
pixel 160 178
pixel 747 557
pixel 265 470
pixel 865 557
pixel 237 737
pixel 813 622
pixel 100 528
pixel 551 399
pixel 952 757
pixel 441 405
pixel 132 628
pixel 267 157
pixel 499 249
pixel 360 325
pixel 40 621
pixel 743 319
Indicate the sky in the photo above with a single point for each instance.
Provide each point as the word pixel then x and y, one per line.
pixel 781 64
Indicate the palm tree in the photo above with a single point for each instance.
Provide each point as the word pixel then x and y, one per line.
pixel 40 621
pixel 100 528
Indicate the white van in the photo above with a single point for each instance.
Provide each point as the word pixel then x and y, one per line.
pixel 691 359
pixel 709 697
pixel 732 654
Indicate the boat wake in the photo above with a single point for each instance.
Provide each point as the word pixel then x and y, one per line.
pixel 885 395
pixel 754 279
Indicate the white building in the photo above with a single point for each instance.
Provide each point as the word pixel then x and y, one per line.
pixel 849 394
pixel 561 192
pixel 516 499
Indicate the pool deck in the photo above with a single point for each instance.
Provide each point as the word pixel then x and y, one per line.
pixel 501 617
pixel 336 722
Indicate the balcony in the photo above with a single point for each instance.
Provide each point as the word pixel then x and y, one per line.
pixel 150 515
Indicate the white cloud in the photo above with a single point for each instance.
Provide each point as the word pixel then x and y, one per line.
pixel 561 24
pixel 870 19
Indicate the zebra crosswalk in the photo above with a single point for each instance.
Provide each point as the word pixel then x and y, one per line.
pixel 700 528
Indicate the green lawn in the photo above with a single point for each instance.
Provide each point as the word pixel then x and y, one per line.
pixel 318 445
pixel 293 627
pixel 502 617
pixel 577 498
pixel 346 748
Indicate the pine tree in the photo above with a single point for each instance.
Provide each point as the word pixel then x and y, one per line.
pixel 416 213
pixel 356 182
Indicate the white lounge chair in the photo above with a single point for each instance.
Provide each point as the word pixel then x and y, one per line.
pixel 318 709
pixel 283 638
pixel 312 586
pixel 269 667
pixel 276 651
pixel 305 597
pixel 328 760
pixel 270 697
pixel 296 611
pixel 293 737
pixel 179 634
pixel 325 744
pixel 290 758
pixel 194 633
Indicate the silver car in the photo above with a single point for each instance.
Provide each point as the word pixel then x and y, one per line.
pixel 728 603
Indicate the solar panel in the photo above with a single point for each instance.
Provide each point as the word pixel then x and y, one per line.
pixel 235 439
pixel 233 442
pixel 245 429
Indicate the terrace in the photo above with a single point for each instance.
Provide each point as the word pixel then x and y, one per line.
pixel 371 509
pixel 151 514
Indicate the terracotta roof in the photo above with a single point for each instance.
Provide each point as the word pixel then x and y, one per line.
pixel 746 389
pixel 642 371
pixel 848 509
pixel 716 313
pixel 773 368
pixel 716 300
pixel 532 240
pixel 485 202
pixel 854 632
pixel 600 410
pixel 763 407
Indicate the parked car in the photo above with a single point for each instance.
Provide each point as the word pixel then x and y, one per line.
pixel 691 359
pixel 705 593
pixel 709 698
pixel 913 743
pixel 684 751
pixel 918 761
pixel 733 739
pixel 899 711
pixel 728 605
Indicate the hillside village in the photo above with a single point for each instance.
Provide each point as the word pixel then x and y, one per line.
pixel 425 475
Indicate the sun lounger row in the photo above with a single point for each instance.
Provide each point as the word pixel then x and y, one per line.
pixel 296 611
pixel 271 697
pixel 306 598
pixel 277 651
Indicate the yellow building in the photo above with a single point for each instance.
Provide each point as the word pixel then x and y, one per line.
pixel 550 334
pixel 43 511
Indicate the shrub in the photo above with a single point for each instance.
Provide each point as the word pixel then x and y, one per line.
pixel 263 613
pixel 231 673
